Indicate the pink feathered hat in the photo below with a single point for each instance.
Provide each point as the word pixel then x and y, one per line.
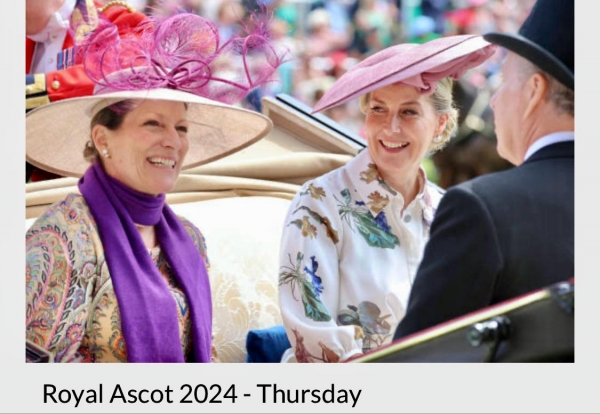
pixel 419 65
pixel 179 58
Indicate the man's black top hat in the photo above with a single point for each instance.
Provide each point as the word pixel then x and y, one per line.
pixel 547 39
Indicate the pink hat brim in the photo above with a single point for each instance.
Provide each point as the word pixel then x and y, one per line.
pixel 419 65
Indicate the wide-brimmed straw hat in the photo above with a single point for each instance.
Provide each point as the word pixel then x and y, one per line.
pixel 174 59
pixel 57 133
pixel 546 38
pixel 419 65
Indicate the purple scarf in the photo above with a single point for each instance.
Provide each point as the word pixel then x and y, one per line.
pixel 148 310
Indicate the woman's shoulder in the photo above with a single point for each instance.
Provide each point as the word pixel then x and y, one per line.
pixel 434 188
pixel 73 202
pixel 70 210
pixel 196 235
pixel 189 225
pixel 434 193
pixel 191 228
pixel 329 182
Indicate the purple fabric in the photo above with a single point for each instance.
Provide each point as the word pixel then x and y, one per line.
pixel 148 311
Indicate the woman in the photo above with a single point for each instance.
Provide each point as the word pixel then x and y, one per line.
pixel 112 274
pixel 354 237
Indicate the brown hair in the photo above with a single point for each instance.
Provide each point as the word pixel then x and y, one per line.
pixel 112 118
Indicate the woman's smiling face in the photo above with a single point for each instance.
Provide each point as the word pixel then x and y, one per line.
pixel 148 149
pixel 400 125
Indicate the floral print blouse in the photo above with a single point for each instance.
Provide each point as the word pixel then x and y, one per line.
pixel 71 307
pixel 349 253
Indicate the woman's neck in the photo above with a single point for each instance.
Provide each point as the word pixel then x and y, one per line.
pixel 148 235
pixel 406 184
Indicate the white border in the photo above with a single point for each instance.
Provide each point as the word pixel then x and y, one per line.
pixel 386 388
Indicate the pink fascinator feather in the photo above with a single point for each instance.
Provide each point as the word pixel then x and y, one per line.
pixel 182 52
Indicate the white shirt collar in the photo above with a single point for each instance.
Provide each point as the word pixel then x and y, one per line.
pixel 370 185
pixel 59 22
pixel 550 139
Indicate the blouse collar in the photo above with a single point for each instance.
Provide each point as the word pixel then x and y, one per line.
pixel 377 193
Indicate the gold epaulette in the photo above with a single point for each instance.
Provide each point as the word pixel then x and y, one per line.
pixel 35 91
pixel 116 3
pixel 37 86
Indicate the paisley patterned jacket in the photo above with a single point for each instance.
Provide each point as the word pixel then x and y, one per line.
pixel 71 306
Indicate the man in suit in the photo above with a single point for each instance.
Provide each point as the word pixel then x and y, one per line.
pixel 52 70
pixel 506 234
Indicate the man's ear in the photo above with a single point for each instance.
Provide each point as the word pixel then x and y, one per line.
pixel 537 86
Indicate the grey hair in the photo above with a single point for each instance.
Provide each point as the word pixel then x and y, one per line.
pixel 561 96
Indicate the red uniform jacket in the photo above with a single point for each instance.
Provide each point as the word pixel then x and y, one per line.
pixel 72 81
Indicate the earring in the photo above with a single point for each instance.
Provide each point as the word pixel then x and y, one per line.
pixel 105 153
pixel 438 139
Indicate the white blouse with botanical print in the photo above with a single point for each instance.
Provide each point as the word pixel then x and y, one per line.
pixel 349 254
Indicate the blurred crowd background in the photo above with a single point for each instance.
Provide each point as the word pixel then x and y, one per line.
pixel 326 38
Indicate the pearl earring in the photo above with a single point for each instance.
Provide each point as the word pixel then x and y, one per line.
pixel 438 139
pixel 105 153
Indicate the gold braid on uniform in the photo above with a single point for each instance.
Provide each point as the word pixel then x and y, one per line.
pixel 116 3
pixel 36 93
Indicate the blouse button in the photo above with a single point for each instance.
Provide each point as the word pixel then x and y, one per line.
pixel 407 218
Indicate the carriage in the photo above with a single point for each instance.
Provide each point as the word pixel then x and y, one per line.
pixel 250 192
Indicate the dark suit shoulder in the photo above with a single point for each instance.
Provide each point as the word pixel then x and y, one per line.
pixel 541 176
pixel 490 183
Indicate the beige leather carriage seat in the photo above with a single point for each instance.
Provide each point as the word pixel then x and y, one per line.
pixel 239 203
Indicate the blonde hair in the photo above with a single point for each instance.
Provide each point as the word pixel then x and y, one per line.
pixel 442 104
